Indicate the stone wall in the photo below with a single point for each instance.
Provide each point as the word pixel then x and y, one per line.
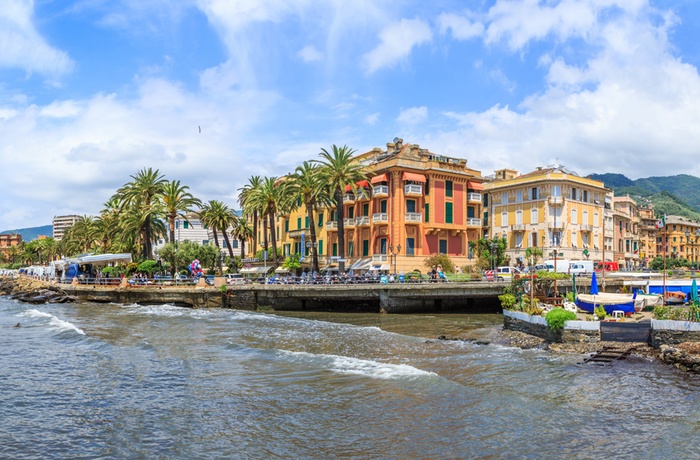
pixel 574 331
pixel 666 332
pixel 240 300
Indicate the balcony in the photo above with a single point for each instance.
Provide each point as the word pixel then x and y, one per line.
pixel 586 228
pixel 380 258
pixel 380 190
pixel 380 218
pixel 556 200
pixel 517 228
pixel 473 197
pixel 362 221
pixel 555 225
pixel 348 198
pixel 297 233
pixel 362 194
pixel 413 217
pixel 332 225
pixel 473 222
pixel 413 190
pixel 349 222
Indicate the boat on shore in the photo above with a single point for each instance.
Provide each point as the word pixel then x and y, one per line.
pixel 675 298
pixel 627 303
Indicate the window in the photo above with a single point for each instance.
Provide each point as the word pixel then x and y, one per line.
pixel 534 193
pixel 205 242
pixel 504 219
pixel 306 222
pixel 584 217
pixel 443 247
pixel 320 219
pixel 335 249
pixel 471 212
pixel 286 225
pixel 365 209
pixel 365 248
pixel 518 240
pixel 534 240
pixel 298 223
pixel 410 205
pixel 534 216
pixel 574 216
pixel 448 188
pixel 382 245
pixel 351 212
pixel 351 248
pixel 410 246
pixel 504 197
pixel 595 219
pixel 585 239
pixel 177 224
pixel 518 217
pixel 382 206
pixel 574 193
pixel 234 244
pixel 448 213
pixel 320 247
pixel 485 197
pixel 556 190
pixel 584 195
pixel 185 224
pixel 427 212
pixel 518 196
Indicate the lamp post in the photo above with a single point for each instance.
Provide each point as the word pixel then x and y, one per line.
pixel 393 254
pixel 312 246
pixel 492 247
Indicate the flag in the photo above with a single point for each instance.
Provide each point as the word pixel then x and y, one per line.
pixel 662 222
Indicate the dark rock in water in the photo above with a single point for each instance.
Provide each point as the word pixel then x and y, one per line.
pixel 18 325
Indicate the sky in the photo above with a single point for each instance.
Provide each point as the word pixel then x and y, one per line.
pixel 212 92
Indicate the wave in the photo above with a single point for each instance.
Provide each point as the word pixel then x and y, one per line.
pixel 55 322
pixel 166 310
pixel 364 367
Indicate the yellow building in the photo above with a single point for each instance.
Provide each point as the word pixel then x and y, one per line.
pixel 415 203
pixel 647 234
pixel 679 238
pixel 549 208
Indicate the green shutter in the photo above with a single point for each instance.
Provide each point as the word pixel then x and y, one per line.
pixel 448 213
pixel 448 188
pixel 427 212
pixel 320 247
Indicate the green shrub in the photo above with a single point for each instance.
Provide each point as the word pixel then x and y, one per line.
pixel 660 312
pixel 599 312
pixel 557 317
pixel 507 301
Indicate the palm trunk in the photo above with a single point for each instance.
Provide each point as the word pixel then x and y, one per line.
pixel 341 229
pixel 228 245
pixel 264 221
pixel 273 235
pixel 171 222
pixel 216 242
pixel 255 231
pixel 312 233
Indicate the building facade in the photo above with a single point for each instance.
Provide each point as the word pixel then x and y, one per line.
pixel 550 208
pixel 8 240
pixel 61 224
pixel 190 228
pixel 414 204
pixel 626 233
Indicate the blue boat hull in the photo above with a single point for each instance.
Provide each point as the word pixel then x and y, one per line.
pixel 587 303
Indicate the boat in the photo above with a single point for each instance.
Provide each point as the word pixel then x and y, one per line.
pixel 650 300
pixel 627 303
pixel 675 298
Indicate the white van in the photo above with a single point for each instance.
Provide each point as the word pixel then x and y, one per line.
pixel 581 267
pixel 506 273
pixel 562 265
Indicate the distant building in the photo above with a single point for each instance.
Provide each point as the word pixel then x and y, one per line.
pixel 8 240
pixel 61 224
pixel 190 228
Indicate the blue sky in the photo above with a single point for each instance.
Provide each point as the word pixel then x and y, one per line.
pixel 91 91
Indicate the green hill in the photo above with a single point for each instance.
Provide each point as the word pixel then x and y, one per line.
pixel 663 192
pixel 32 233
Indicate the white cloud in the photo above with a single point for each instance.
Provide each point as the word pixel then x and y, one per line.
pixel 372 118
pixel 413 116
pixel 462 28
pixel 22 47
pixel 310 54
pixel 397 40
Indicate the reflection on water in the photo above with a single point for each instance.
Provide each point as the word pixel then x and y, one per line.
pixel 113 381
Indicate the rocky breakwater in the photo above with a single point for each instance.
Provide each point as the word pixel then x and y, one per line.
pixel 33 291
pixel 685 356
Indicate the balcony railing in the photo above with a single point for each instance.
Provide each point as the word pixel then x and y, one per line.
pixel 586 228
pixel 380 258
pixel 380 217
pixel 413 189
pixel 556 200
pixel 380 190
pixel 556 225
pixel 473 222
pixel 517 228
pixel 362 194
pixel 362 221
pixel 413 217
pixel 332 225
pixel 348 198
pixel 474 197
pixel 349 222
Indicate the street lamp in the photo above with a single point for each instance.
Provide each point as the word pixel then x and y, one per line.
pixel 492 247
pixel 393 254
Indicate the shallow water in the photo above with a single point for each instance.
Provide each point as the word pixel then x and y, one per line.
pixel 110 381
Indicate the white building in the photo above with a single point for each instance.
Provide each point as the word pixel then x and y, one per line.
pixel 61 224
pixel 191 229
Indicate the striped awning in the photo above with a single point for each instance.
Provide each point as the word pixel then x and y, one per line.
pixel 413 176
pixel 379 178
pixel 475 186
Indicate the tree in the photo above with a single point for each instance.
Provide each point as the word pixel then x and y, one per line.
pixel 177 201
pixel 533 254
pixel 490 253
pixel 144 194
pixel 271 196
pixel 219 217
pixel 242 231
pixel 307 184
pixel 81 236
pixel 246 199
pixel 338 170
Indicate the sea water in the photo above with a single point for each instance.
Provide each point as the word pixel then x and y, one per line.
pixel 126 381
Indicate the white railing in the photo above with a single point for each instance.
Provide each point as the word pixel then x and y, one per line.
pixel 517 227
pixel 413 189
pixel 348 198
pixel 380 217
pixel 413 217
pixel 349 222
pixel 586 228
pixel 362 220
pixel 380 190
pixel 556 200
pixel 332 225
pixel 474 197
pixel 362 194
pixel 380 258
pixel 473 222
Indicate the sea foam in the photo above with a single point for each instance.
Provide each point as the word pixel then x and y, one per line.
pixel 55 322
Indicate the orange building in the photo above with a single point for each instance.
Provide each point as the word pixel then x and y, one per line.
pixel 7 240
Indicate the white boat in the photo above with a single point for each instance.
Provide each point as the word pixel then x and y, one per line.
pixel 627 303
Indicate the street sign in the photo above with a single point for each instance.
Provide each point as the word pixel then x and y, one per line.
pixel 264 254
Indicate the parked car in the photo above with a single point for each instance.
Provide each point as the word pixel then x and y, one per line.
pixel 504 273
pixel 235 278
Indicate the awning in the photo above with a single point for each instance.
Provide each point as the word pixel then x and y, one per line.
pixel 104 259
pixel 475 186
pixel 383 267
pixel 379 178
pixel 254 270
pixel 282 270
pixel 360 184
pixel 413 176
pixel 361 264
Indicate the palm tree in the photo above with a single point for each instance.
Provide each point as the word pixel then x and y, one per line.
pixel 177 201
pixel 271 197
pixel 145 193
pixel 243 231
pixel 244 198
pixel 81 236
pixel 219 217
pixel 306 183
pixel 339 170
